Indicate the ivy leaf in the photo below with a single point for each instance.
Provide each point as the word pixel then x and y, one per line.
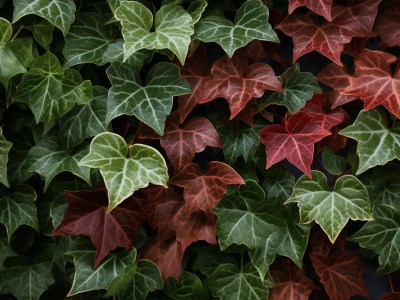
pixel 246 217
pixel 18 208
pixel 373 126
pixel 203 191
pixel 151 103
pixel 390 296
pixel 386 25
pixel 49 159
pixel 89 40
pixel 228 282
pixel 60 13
pixel 278 183
pixel 310 33
pixel 331 209
pixel 6 251
pixel 85 121
pixel 293 141
pixel 251 22
pixel 172 28
pixel 5 147
pixel 87 215
pixel 322 8
pixel 51 91
pixel 188 286
pixel 123 175
pixel 382 235
pixel 26 281
pixel 298 87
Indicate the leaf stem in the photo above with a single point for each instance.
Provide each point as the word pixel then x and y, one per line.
pixel 18 32
pixel 390 283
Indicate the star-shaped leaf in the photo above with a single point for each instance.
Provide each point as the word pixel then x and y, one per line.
pixel 322 8
pixel 372 128
pixel 251 22
pixel 17 208
pixel 5 147
pixel 60 13
pixel 331 209
pixel 173 27
pixel 150 103
pixel 203 191
pixel 51 91
pixel 386 24
pixel 382 235
pixel 293 141
pixel 124 168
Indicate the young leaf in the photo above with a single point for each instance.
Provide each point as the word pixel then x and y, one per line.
pixel 251 22
pixel 150 103
pixel 173 27
pixel 331 209
pixel 60 13
pixel 87 214
pixel 294 141
pixel 18 208
pixel 382 235
pixel 51 91
pixel 322 8
pixel 298 87
pixel 333 163
pixel 278 184
pixel 123 175
pixel 386 25
pixel 373 126
pixel 204 191
pixel 188 286
pixel 5 147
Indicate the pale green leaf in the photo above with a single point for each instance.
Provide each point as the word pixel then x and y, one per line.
pixel 382 235
pixel 124 168
pixel 172 28
pixel 5 31
pixel 60 13
pixel 26 281
pixel 188 286
pixel 113 4
pixel 251 22
pixel 333 163
pixel 331 209
pixel 196 9
pixel 17 208
pixel 5 147
pixel 377 143
pixel 51 91
pixel 150 103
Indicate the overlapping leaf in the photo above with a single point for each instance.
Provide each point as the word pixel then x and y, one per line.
pixel 386 24
pixel 125 169
pixel 189 285
pixel 251 22
pixel 322 8
pixel 331 209
pixel 150 103
pixel 5 147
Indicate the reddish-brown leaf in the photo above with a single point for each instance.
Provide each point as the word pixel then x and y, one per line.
pixel 87 215
pixel 387 23
pixel 290 285
pixel 203 191
pixel 310 33
pixel 237 82
pixel 181 142
pixel 257 50
pixel 342 274
pixel 320 243
pixel 293 141
pixel 321 7
pixel 390 296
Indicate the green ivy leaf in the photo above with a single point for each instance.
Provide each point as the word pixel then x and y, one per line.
pixel 331 209
pixel 371 128
pixel 151 103
pixel 246 217
pixel 228 282
pixel 251 22
pixel 60 13
pixel 278 183
pixel 189 286
pixel 123 175
pixel 5 147
pixel 5 252
pixel 17 208
pixel 42 32
pixel 172 28
pixel 25 50
pixel 196 9
pixel 51 91
pixel 298 87
pixel 209 258
pixel 26 281
pixel 333 163
pixel 382 235
pixel 50 158
pixel 85 121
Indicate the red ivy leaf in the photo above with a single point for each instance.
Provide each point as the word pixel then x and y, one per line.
pixel 257 50
pixel 87 215
pixel 204 191
pixel 342 274
pixel 237 82
pixel 390 296
pixel 310 33
pixel 182 142
pixel 294 141
pixel 291 285
pixel 387 23
pixel 321 7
